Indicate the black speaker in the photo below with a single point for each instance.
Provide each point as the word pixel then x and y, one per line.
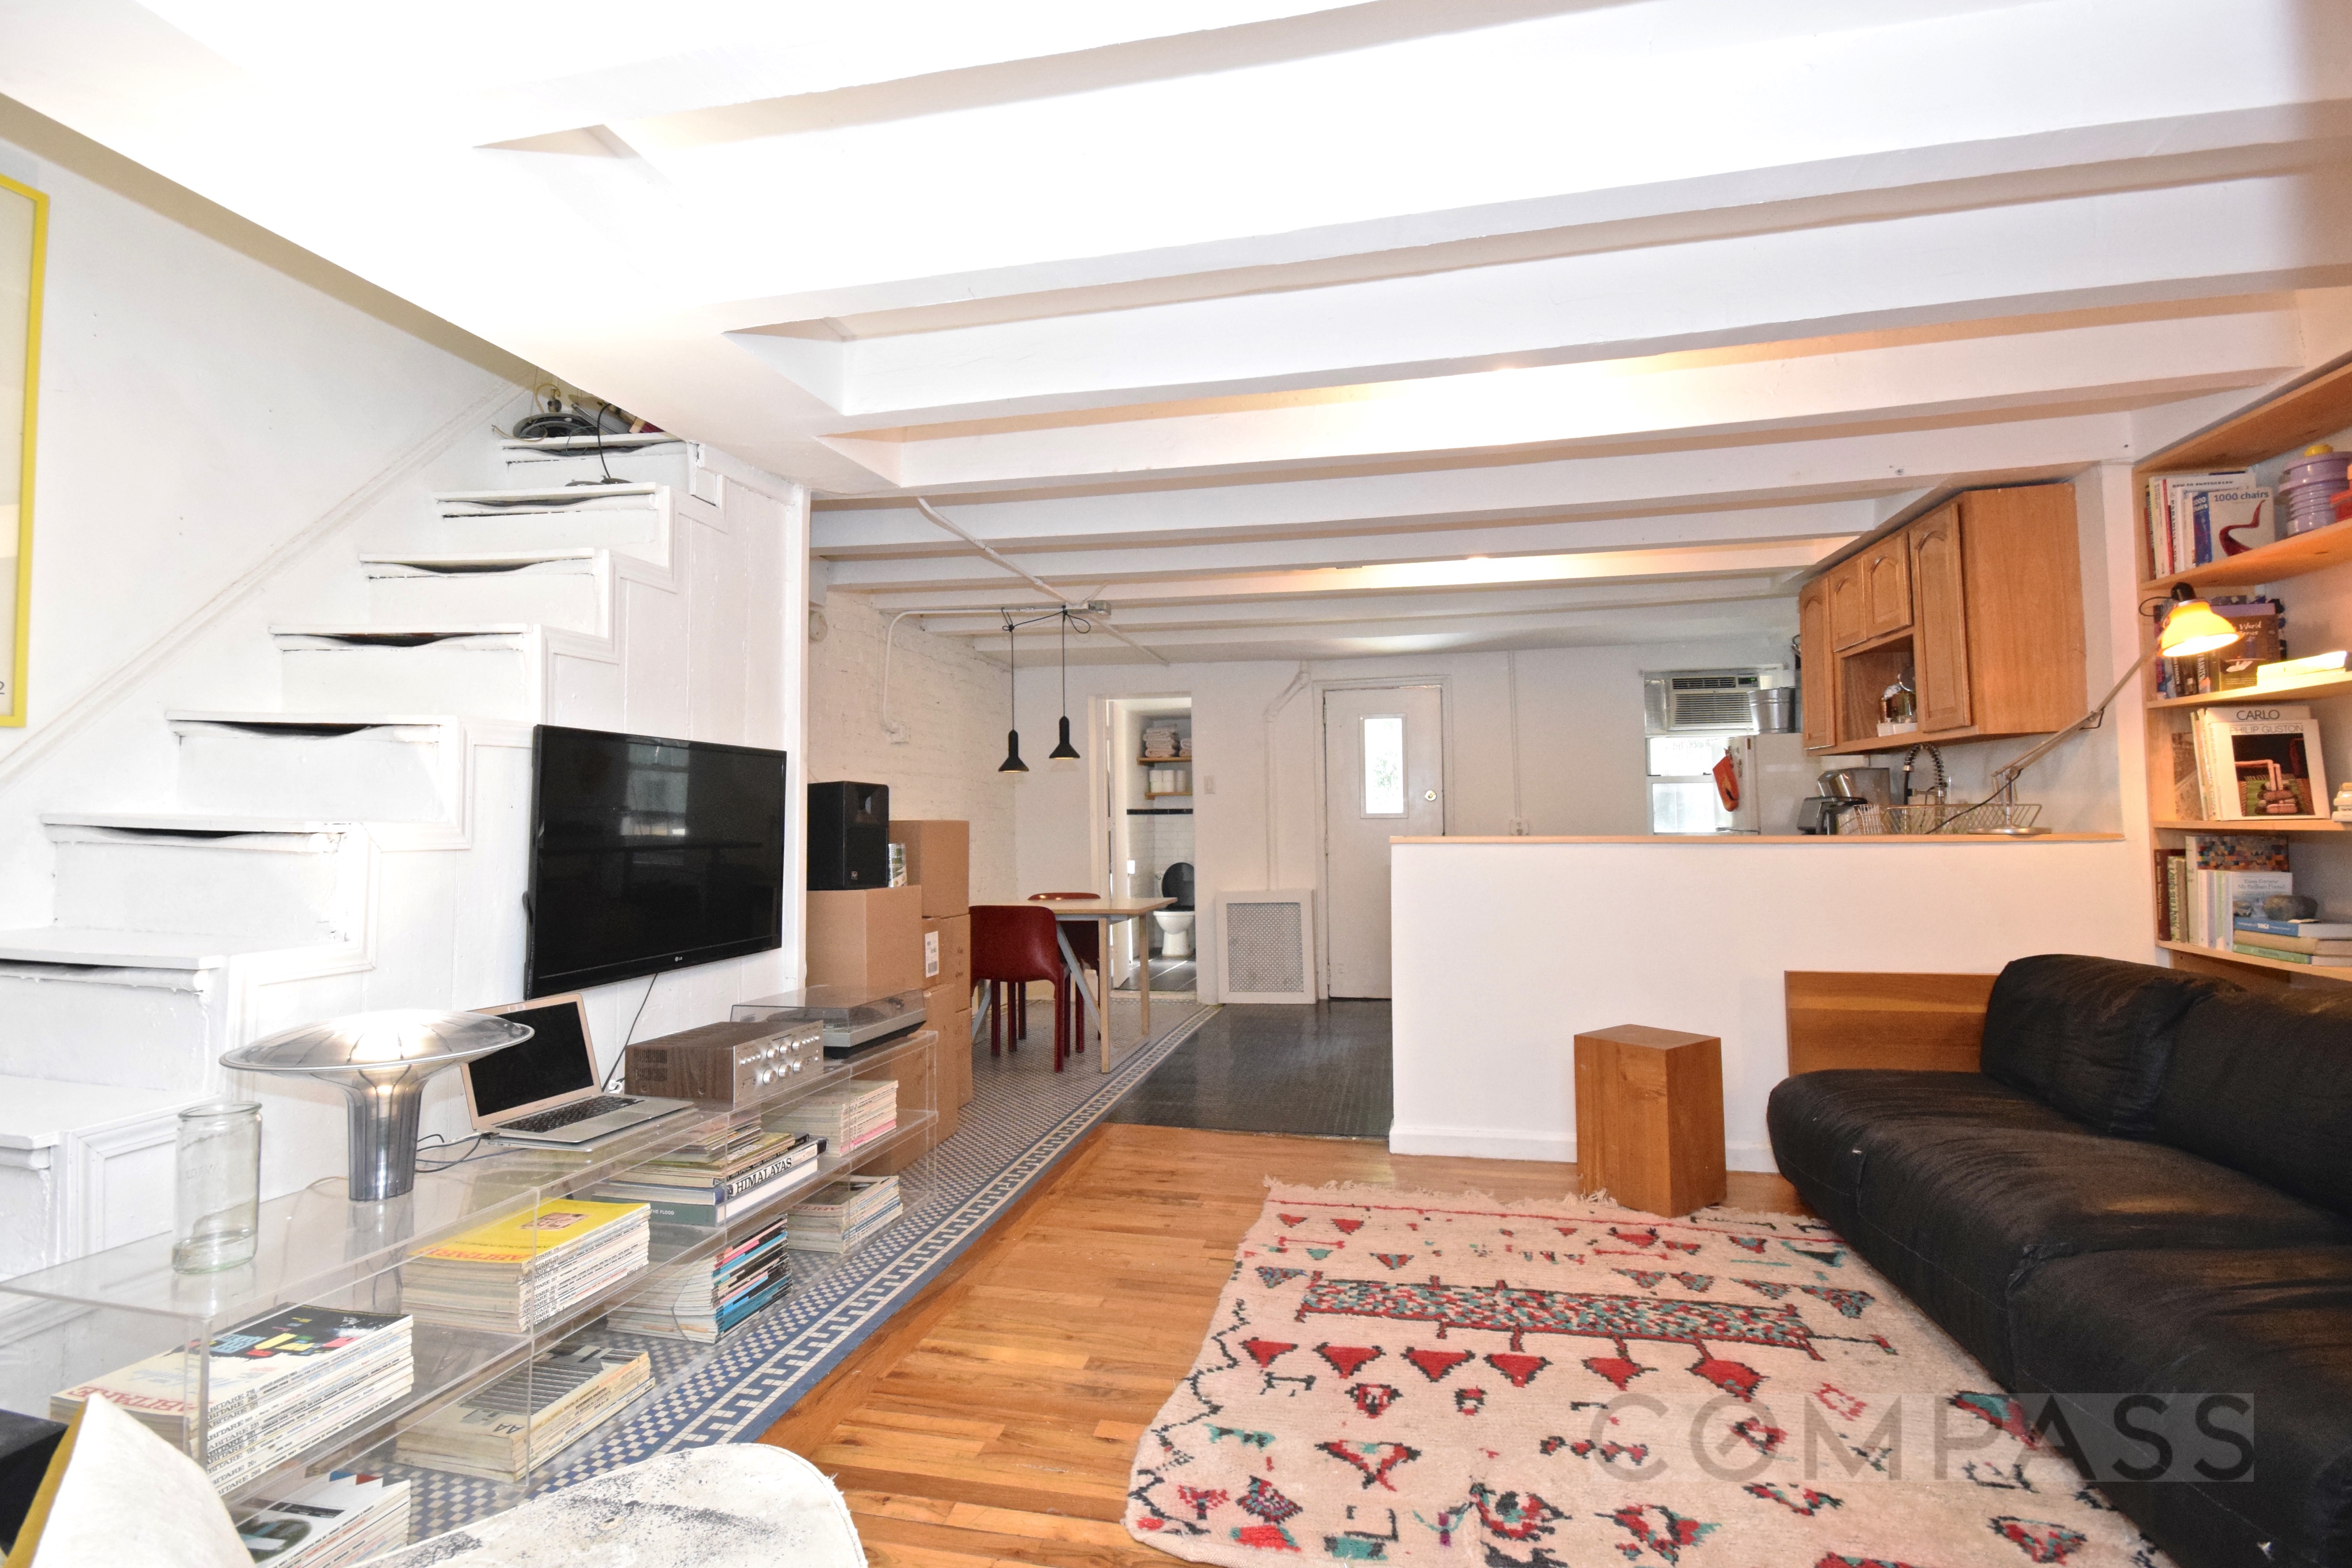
pixel 848 836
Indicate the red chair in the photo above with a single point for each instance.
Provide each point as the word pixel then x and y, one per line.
pixel 1012 945
pixel 1086 943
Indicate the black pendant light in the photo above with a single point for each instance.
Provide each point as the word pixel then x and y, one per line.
pixel 1011 763
pixel 1065 752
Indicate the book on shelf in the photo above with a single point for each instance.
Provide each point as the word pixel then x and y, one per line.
pixel 2289 955
pixel 703 1298
pixel 2228 876
pixel 847 1118
pixel 839 1217
pixel 2298 931
pixel 682 1194
pixel 2171 895
pixel 279 1384
pixel 2174 543
pixel 343 1517
pixel 504 1429
pixel 530 1267
pixel 2258 760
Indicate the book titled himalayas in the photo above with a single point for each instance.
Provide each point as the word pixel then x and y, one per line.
pixel 277 1386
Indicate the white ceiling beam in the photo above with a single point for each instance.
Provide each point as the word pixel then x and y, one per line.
pixel 1147 622
pixel 1636 484
pixel 1644 565
pixel 1687 622
pixel 1691 398
pixel 2233 237
pixel 1145 564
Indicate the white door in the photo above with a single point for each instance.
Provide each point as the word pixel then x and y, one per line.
pixel 1384 774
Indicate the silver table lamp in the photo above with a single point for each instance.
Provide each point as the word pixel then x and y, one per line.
pixel 379 1061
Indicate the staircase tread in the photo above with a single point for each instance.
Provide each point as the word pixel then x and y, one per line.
pixel 37 1113
pixel 633 441
pixel 109 948
pixel 500 556
pixel 197 821
pixel 228 716
pixel 405 629
pixel 552 491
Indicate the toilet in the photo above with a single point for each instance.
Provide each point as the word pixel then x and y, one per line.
pixel 1175 923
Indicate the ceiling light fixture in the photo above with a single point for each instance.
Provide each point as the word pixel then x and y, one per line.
pixel 1011 763
pixel 1065 752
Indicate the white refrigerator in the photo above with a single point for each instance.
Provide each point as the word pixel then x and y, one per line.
pixel 1772 774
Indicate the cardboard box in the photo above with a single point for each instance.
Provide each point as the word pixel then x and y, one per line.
pixel 867 937
pixel 939 860
pixel 948 1009
pixel 947 954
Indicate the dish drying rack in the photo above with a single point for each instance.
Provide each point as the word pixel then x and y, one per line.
pixel 1990 817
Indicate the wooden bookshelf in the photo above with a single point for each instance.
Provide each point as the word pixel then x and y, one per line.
pixel 2246 961
pixel 2342 687
pixel 2281 426
pixel 2291 557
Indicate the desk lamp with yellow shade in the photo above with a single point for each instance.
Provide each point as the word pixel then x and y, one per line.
pixel 2189 626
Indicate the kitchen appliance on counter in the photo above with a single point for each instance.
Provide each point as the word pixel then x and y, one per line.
pixel 1842 792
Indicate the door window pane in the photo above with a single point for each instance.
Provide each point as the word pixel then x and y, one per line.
pixel 1384 765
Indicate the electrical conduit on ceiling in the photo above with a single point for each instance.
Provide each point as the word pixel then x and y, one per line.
pixel 1297 684
pixel 1023 573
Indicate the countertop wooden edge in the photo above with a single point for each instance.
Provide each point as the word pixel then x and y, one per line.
pixel 1941 839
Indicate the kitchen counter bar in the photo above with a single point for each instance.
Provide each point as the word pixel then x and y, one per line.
pixel 1689 840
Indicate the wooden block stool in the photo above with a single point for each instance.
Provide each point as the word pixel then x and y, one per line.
pixel 1649 1118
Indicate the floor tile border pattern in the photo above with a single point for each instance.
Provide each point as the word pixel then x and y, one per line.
pixel 1022 1128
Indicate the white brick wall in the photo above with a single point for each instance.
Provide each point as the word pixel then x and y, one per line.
pixel 952 703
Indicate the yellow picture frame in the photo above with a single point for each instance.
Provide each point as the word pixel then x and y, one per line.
pixel 20 265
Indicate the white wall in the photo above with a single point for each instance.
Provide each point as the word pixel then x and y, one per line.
pixel 1505 951
pixel 1580 755
pixel 226 426
pixel 952 703
pixel 198 410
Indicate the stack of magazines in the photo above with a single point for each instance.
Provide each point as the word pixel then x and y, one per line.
pixel 507 1429
pixel 837 1217
pixel 702 1299
pixel 527 1268
pixel 846 1118
pixel 279 1384
pixel 703 1186
pixel 338 1518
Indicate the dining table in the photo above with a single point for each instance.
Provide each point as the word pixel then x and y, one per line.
pixel 1103 913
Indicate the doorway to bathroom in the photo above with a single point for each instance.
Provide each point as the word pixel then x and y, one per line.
pixel 1150 831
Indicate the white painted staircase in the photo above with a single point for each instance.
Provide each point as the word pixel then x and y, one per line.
pixel 363 846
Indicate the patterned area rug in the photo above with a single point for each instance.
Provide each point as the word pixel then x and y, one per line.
pixel 1023 1118
pixel 1405 1377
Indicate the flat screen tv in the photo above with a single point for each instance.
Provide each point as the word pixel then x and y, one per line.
pixel 649 855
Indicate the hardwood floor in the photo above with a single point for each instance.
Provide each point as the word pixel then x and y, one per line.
pixel 993 1419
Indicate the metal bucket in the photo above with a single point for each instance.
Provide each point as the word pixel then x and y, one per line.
pixel 1776 709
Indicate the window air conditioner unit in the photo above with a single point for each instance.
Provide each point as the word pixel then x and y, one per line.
pixel 1269 946
pixel 1704 702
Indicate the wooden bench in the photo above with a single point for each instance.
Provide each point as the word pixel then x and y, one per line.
pixel 1932 1024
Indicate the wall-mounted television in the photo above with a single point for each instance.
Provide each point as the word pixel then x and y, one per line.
pixel 649 855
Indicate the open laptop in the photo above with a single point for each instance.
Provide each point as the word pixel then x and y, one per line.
pixel 544 1091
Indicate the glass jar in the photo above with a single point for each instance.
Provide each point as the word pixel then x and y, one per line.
pixel 217 1206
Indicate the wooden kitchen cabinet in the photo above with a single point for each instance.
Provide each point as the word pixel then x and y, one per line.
pixel 1940 647
pixel 1817 661
pixel 1886 586
pixel 1848 615
pixel 1981 600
